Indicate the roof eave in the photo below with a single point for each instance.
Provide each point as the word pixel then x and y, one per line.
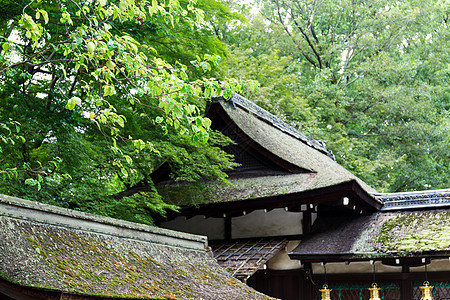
pixel 391 258
pixel 316 196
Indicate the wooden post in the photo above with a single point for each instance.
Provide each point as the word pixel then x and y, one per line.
pixel 406 285
pixel 307 220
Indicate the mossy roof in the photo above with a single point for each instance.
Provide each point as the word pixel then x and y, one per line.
pixel 53 249
pixel 380 235
pixel 321 171
pixel 237 189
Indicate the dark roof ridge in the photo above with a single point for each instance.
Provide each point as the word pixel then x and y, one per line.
pixel 414 199
pixel 412 192
pixel 50 215
pixel 264 115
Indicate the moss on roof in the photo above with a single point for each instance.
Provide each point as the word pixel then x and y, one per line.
pixel 382 234
pixel 415 232
pixel 237 189
pixel 38 254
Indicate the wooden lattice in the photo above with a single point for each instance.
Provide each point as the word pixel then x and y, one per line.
pixel 441 290
pixel 243 258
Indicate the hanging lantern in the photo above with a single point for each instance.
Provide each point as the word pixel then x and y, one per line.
pixel 426 291
pixel 325 292
pixel 374 292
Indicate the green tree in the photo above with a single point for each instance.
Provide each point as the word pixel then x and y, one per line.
pixel 90 104
pixel 373 75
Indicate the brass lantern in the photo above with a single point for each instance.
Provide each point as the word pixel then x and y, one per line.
pixel 426 291
pixel 325 292
pixel 374 292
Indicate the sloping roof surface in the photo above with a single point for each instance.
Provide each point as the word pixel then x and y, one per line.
pixel 239 189
pixel 243 258
pixel 281 141
pixel 54 249
pixel 292 149
pixel 382 234
pixel 414 200
pixel 238 100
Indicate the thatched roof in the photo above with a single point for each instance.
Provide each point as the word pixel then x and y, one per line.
pixel 314 164
pixel 49 252
pixel 380 235
pixel 291 148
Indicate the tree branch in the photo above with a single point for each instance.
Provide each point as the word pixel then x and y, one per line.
pixel 306 37
pixel 292 37
pixel 141 186
pixel 50 91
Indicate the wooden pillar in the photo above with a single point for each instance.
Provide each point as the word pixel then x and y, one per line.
pixel 307 292
pixel 307 221
pixel 406 285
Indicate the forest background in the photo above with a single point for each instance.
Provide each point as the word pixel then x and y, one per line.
pixel 94 95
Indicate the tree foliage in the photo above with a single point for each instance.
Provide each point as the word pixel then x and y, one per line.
pixel 94 95
pixel 371 78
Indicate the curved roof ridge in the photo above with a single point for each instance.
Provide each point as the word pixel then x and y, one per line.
pixel 262 114
pixel 415 199
pixel 389 195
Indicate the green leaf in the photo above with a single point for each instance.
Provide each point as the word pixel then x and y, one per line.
pixel 121 122
pixel 106 90
pixel 45 16
pixel 208 91
pixel 205 66
pixel 5 47
pixel 227 93
pixel 74 101
pixel 128 159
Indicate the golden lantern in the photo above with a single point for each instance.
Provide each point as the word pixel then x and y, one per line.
pixel 374 292
pixel 325 292
pixel 426 291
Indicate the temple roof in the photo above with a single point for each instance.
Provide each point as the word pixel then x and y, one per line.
pixel 424 233
pixel 303 163
pixel 47 251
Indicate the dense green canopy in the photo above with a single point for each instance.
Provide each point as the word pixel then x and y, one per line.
pixel 95 95
pixel 371 78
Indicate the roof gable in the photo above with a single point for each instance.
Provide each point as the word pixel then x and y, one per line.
pixel 253 157
pixel 238 101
